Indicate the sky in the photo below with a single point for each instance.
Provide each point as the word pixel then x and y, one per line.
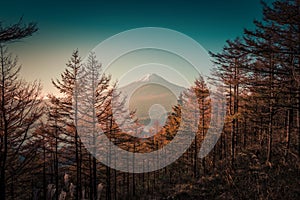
pixel 67 25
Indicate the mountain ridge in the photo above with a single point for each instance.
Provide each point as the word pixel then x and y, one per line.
pixel 154 79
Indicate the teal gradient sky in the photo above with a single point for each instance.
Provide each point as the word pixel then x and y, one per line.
pixel 65 26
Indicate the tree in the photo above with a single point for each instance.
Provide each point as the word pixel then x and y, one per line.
pixel 285 16
pixel 202 93
pixel 54 134
pixel 16 31
pixel 275 46
pixel 95 93
pixel 68 110
pixel 20 110
pixel 230 69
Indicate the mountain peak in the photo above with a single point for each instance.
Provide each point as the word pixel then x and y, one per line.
pixel 150 77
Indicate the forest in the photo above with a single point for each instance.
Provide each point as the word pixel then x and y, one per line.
pixel 256 157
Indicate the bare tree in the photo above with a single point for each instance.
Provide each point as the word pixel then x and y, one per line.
pixel 68 110
pixel 20 110
pixel 16 31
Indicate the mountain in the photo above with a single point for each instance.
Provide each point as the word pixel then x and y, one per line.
pixel 151 79
pixel 149 90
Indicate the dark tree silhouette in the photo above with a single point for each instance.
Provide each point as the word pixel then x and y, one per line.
pixel 16 31
pixel 9 85
pixel 20 110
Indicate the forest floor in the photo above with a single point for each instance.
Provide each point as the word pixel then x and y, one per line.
pixel 251 178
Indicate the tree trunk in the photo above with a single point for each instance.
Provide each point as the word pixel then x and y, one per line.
pixel 56 166
pixel 3 155
pixel 94 177
pixel 44 173
pixel 288 132
pixel 78 188
pixel 271 114
pixel 270 136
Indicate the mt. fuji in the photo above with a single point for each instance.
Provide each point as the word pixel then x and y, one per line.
pixel 149 90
